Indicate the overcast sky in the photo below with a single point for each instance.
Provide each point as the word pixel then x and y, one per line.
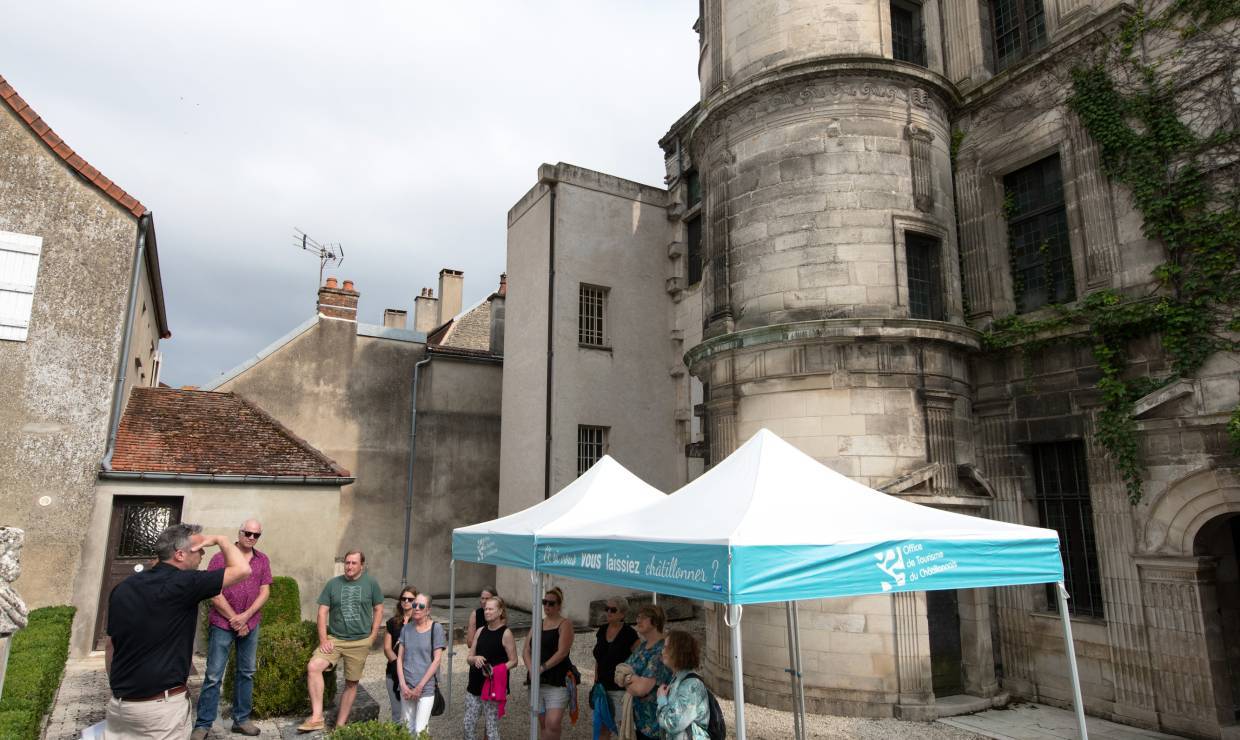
pixel 402 130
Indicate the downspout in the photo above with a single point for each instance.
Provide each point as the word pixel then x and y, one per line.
pixel 118 395
pixel 550 345
pixel 413 432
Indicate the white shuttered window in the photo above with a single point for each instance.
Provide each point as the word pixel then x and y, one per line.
pixel 19 265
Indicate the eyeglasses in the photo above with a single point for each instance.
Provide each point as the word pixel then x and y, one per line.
pixel 251 535
pixel 613 610
pixel 419 606
pixel 550 602
pixel 406 600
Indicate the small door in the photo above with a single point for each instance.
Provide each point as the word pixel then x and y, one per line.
pixel 946 664
pixel 136 523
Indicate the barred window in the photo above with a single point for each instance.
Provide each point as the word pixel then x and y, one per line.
pixel 908 42
pixel 925 279
pixel 591 310
pixel 591 446
pixel 1019 27
pixel 693 234
pixel 1061 483
pixel 1038 235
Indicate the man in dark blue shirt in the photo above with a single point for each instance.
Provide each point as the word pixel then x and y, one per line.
pixel 151 622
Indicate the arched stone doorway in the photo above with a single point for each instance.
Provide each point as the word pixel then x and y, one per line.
pixel 1218 541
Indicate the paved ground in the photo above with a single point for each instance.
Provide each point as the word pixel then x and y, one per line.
pixel 1021 721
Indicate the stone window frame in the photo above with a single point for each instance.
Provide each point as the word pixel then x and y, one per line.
pixel 900 224
pixel 1096 610
pixel 932 42
pixel 917 51
pixel 593 441
pixel 1044 213
pixel 1001 162
pixel 1026 48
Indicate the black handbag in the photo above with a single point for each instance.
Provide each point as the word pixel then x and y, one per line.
pixel 439 705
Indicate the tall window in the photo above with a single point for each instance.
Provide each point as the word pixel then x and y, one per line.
pixel 1019 27
pixel 907 39
pixel 1062 487
pixel 1038 235
pixel 693 233
pixel 925 277
pixel 693 188
pixel 591 446
pixel 591 310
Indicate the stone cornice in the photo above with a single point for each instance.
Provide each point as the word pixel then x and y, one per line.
pixel 804 331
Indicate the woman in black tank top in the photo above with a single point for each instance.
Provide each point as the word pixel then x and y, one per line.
pixel 553 665
pixel 493 645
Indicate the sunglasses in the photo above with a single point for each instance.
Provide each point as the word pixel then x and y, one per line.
pixel 251 535
pixel 419 606
pixel 406 600
pixel 550 602
pixel 612 610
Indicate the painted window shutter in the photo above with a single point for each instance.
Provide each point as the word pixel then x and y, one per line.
pixel 19 266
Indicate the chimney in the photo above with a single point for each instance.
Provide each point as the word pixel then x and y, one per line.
pixel 451 283
pixel 425 311
pixel 497 317
pixel 338 303
pixel 394 318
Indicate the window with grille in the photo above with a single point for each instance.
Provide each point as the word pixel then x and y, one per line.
pixel 1061 483
pixel 591 446
pixel 693 234
pixel 1019 28
pixel 907 39
pixel 925 278
pixel 591 312
pixel 1038 235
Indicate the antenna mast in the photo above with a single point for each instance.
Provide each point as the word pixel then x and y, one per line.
pixel 328 254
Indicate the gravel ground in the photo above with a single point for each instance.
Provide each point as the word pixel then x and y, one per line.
pixel 762 723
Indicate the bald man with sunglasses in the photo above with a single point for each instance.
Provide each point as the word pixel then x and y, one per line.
pixel 235 616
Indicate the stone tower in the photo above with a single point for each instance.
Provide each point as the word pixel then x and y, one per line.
pixel 832 311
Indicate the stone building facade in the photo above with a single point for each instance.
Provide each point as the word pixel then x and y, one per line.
pixel 862 190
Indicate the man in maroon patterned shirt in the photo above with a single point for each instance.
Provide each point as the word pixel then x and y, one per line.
pixel 235 616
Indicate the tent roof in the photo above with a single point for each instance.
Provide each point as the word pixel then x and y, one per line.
pixel 768 492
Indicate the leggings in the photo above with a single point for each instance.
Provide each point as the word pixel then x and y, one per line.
pixel 490 713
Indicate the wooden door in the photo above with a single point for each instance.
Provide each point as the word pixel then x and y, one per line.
pixel 136 523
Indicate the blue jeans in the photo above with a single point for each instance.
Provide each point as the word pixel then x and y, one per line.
pixel 217 661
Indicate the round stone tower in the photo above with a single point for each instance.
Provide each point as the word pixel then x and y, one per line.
pixel 833 316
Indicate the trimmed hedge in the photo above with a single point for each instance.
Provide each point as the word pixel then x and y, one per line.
pixel 375 730
pixel 280 682
pixel 37 659
pixel 284 604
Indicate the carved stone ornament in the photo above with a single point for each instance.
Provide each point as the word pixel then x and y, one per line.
pixel 790 98
pixel 13 611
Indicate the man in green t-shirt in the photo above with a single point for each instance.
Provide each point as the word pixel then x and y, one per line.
pixel 350 612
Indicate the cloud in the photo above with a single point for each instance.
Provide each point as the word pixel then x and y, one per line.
pixel 403 130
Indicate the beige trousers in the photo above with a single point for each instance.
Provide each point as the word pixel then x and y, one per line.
pixel 161 719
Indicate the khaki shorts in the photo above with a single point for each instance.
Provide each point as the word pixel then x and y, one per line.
pixel 352 652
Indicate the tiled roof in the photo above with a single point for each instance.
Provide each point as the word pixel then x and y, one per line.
pixel 169 430
pixel 470 330
pixel 65 152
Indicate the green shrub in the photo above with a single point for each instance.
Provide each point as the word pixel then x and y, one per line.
pixel 36 662
pixel 284 604
pixel 374 730
pixel 280 681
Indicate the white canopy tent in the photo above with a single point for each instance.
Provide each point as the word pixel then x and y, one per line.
pixel 771 524
pixel 604 491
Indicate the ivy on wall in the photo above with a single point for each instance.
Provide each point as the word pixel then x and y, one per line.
pixel 1168 130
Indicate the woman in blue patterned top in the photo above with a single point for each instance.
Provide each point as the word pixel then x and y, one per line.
pixel 684 709
pixel 649 671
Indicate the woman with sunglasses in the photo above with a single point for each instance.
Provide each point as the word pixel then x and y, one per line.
pixel 648 671
pixel 422 642
pixel 557 642
pixel 493 646
pixel 391 639
pixel 613 644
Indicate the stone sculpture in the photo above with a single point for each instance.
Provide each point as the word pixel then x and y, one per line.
pixel 13 611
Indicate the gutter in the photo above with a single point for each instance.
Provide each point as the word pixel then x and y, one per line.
pixel 310 480
pixel 118 394
pixel 551 183
pixel 413 433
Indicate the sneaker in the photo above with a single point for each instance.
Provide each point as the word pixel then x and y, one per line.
pixel 246 728
pixel 310 725
pixel 199 733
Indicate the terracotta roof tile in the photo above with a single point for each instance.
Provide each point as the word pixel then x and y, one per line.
pixel 170 430
pixel 64 151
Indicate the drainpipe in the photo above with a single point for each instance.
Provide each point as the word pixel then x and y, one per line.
pixel 413 431
pixel 550 347
pixel 118 395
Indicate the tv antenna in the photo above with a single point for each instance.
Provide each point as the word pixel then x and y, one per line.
pixel 328 254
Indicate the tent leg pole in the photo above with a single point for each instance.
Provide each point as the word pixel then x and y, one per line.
pixel 792 671
pixel 451 632
pixel 738 684
pixel 535 649
pixel 800 695
pixel 1070 649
